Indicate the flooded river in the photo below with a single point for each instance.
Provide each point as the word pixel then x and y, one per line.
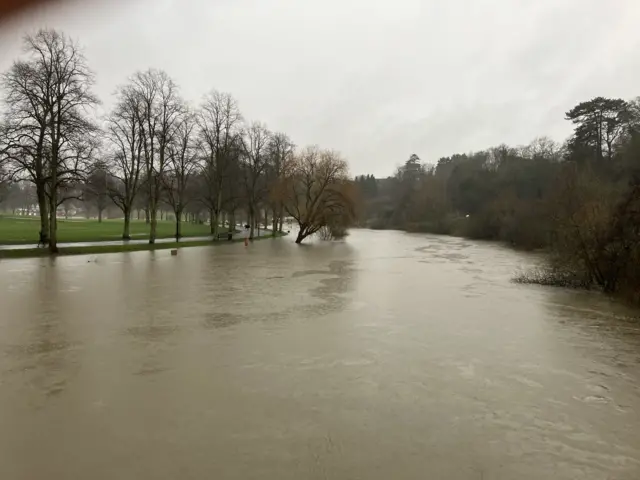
pixel 390 356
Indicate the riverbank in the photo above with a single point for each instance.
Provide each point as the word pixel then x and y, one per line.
pixel 116 248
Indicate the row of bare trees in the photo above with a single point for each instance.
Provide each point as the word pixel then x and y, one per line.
pixel 155 148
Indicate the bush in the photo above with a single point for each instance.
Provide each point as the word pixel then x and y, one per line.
pixel 338 232
pixel 554 277
pixel 335 232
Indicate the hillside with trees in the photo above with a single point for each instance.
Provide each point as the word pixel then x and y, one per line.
pixel 154 152
pixel 580 200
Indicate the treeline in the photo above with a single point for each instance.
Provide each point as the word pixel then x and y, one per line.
pixel 154 150
pixel 579 200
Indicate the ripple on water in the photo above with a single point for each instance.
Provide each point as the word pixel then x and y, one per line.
pixel 217 320
pixel 152 332
pixel 594 399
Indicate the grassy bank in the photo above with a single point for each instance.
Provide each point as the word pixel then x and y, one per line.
pixel 98 249
pixel 24 230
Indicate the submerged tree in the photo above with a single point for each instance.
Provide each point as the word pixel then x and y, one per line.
pixel 318 192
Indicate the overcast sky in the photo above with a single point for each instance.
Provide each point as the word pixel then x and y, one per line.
pixel 376 79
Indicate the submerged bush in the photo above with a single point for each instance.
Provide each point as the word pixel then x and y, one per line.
pixel 554 277
pixel 335 232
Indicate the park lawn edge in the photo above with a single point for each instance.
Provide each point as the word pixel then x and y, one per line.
pixel 110 238
pixel 93 231
pixel 138 247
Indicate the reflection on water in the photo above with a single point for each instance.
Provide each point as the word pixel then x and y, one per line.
pixel 387 356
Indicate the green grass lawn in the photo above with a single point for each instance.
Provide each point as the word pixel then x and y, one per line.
pixel 23 230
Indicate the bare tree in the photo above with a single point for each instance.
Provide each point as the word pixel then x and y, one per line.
pixel 233 192
pixel 5 185
pixel 50 137
pixel 23 130
pixel 281 151
pixel 542 148
pixel 255 160
pixel 318 192
pixel 96 188
pixel 183 165
pixel 219 121
pixel 126 140
pixel 157 117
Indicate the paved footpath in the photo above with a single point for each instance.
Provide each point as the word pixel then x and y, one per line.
pixel 260 233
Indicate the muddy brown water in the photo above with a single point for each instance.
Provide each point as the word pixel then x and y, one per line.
pixel 390 356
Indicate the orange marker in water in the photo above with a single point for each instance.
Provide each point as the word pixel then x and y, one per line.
pixel 246 235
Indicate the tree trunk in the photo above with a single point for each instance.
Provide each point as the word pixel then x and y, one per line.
pixel 266 218
pixel 99 215
pixel 280 219
pixel 252 221
pixel 126 233
pixel 147 216
pixel 301 236
pixel 212 222
pixel 232 221
pixel 274 222
pixel 178 225
pixel 214 228
pixel 53 223
pixel 44 213
pixel 153 214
